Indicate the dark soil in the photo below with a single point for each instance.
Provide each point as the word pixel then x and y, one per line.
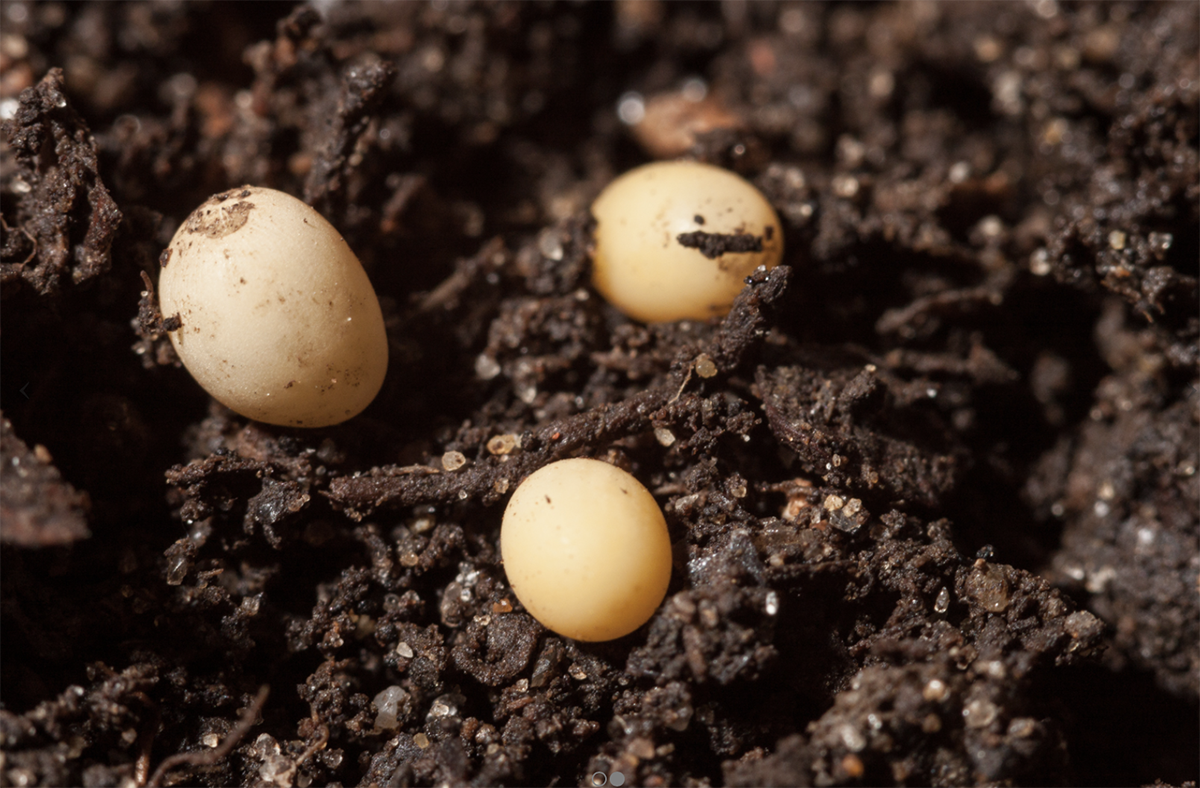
pixel 932 484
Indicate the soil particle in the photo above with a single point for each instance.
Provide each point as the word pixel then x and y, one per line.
pixel 1130 496
pixel 818 416
pixel 215 219
pixel 37 506
pixel 713 245
pixel 63 210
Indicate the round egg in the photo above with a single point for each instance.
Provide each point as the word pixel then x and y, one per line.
pixel 271 312
pixel 586 549
pixel 675 240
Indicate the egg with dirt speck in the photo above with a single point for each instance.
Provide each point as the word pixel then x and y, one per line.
pixel 271 312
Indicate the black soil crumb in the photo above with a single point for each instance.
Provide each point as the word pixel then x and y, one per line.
pixel 932 484
pixel 713 245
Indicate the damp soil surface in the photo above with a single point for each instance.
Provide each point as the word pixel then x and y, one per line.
pixel 931 485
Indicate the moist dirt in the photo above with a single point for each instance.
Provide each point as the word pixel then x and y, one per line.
pixel 931 485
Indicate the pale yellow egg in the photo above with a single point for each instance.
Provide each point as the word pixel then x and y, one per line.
pixel 675 240
pixel 586 549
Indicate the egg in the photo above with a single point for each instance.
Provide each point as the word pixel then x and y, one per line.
pixel 271 312
pixel 586 549
pixel 675 240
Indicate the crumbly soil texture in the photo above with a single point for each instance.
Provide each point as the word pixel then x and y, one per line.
pixel 931 485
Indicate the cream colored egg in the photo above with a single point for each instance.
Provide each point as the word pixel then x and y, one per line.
pixel 675 240
pixel 278 320
pixel 586 549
